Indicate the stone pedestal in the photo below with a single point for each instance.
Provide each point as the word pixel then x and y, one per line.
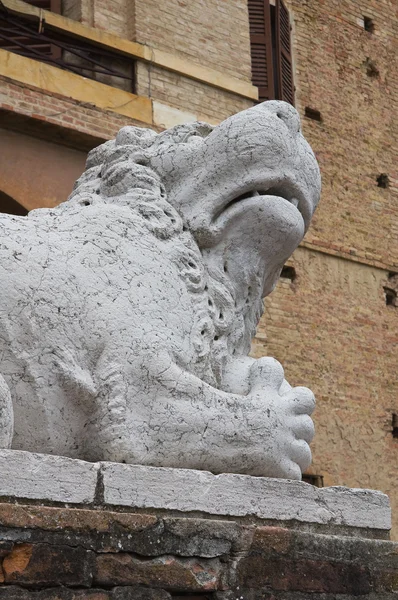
pixel 71 530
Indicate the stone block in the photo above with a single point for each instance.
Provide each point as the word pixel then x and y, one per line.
pixel 58 593
pixel 243 496
pixel 109 531
pixel 62 593
pixel 296 561
pixel 45 477
pixel 177 574
pixel 45 555
pixel 45 565
pixel 139 593
pixel 310 576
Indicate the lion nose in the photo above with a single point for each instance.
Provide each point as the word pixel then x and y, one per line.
pixel 283 111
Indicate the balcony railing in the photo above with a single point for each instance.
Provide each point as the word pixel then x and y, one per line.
pixel 30 36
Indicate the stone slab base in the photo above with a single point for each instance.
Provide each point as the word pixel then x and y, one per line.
pixel 101 550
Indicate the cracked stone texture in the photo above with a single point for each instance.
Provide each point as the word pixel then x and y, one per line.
pixel 54 478
pixel 241 495
pixel 44 477
pixel 127 312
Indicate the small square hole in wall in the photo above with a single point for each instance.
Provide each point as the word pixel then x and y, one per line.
pixel 390 296
pixel 383 180
pixel 288 273
pixel 312 113
pixel 395 425
pixel 368 24
pixel 316 480
pixel 371 68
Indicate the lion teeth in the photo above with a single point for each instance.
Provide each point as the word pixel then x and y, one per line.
pixel 295 202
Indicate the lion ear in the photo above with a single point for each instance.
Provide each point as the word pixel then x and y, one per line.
pixel 181 134
pixel 135 136
pixel 98 155
pixel 203 129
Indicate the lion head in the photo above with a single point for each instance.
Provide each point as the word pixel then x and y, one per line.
pixel 238 198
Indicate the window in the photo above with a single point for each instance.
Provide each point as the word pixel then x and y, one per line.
pixel 272 70
pixel 16 36
pixel 30 36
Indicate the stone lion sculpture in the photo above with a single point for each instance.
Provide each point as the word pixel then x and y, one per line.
pixel 127 312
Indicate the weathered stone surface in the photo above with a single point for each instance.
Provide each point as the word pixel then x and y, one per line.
pixel 59 593
pixel 138 593
pixel 254 562
pixel 289 560
pixel 45 477
pixel 45 565
pixel 171 573
pixel 281 542
pixel 194 223
pixel 241 495
pixel 51 518
pixel 303 576
pixel 27 475
pixel 103 530
pixel 123 593
pixel 275 595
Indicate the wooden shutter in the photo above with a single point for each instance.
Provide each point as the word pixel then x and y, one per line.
pixel 284 54
pixel 261 48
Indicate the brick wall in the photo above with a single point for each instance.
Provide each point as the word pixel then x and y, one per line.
pixel 204 101
pixel 59 120
pixel 331 328
pixel 62 111
pixel 332 331
pixel 214 34
pixel 57 553
pixel 358 137
pixel 115 16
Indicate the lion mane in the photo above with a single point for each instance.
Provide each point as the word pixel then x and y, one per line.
pixel 119 171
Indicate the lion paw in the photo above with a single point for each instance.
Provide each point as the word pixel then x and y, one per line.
pixel 281 422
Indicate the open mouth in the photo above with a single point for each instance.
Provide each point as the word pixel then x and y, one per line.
pixel 269 192
pixel 286 191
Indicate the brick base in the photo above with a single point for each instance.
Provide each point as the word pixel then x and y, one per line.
pixel 58 553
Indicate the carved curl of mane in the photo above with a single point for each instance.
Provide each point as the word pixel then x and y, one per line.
pixel 119 172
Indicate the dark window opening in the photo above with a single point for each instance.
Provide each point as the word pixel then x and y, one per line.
pixel 368 24
pixel 10 206
pixel 383 180
pixel 17 39
pixel 395 425
pixel 30 36
pixel 371 68
pixel 288 273
pixel 312 113
pixel 52 5
pixel 272 68
pixel 316 480
pixel 391 296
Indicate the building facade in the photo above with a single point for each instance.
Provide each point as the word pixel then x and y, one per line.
pixel 72 74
